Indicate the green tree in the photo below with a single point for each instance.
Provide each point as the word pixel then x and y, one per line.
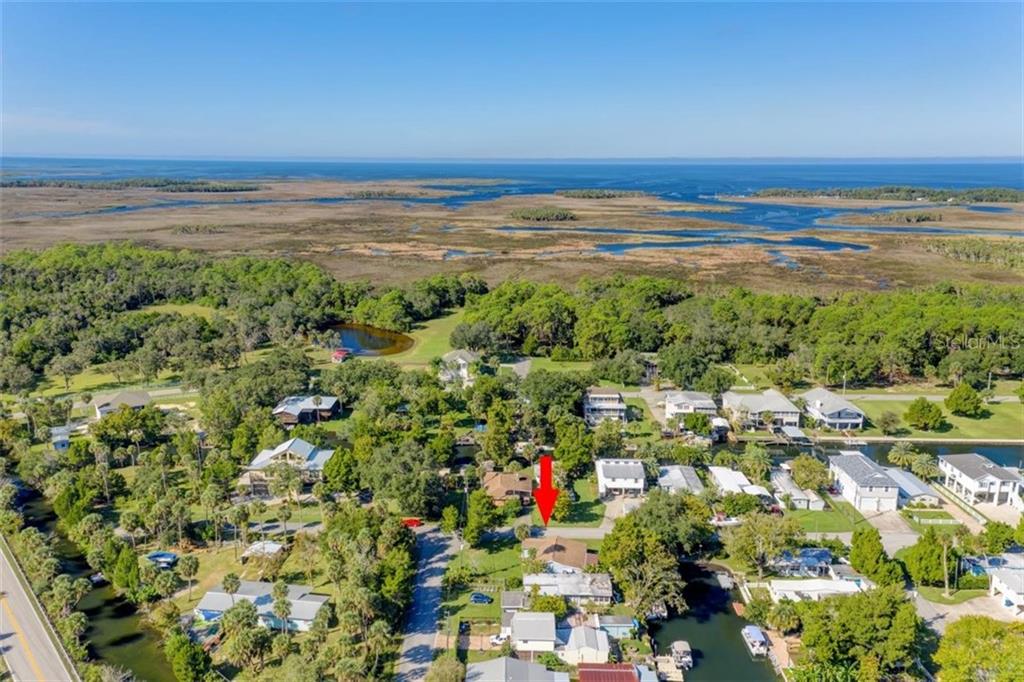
pixel 698 423
pixel 760 539
pixel 784 616
pixel 964 401
pixel 188 567
pixel 188 660
pixel 446 668
pixel 997 537
pixel 755 461
pixel 809 472
pixel 902 454
pixel 481 515
pixel 925 560
pixel 449 519
pixel 868 556
pixel 924 415
pixel 889 422
pixel 980 648
pixel 572 446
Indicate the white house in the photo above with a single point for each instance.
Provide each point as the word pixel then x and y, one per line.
pixel 810 589
pixel 679 403
pixel 799 498
pixel 295 452
pixel 532 631
pixel 601 404
pixel 507 669
pixel 831 410
pixel 677 478
pixel 304 604
pixel 620 477
pixel 976 479
pixel 584 644
pixel 751 408
pixel 1006 579
pixel 863 483
pixel 912 489
pixel 732 481
pixel 456 365
pixel 578 588
pixel 104 405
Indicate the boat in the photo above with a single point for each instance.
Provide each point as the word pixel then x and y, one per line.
pixel 724 580
pixel 682 654
pixel 97 578
pixel 658 611
pixel 755 639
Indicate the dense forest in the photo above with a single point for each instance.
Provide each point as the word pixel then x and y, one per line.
pixel 901 193
pixel 543 214
pixel 162 184
pixel 946 331
pixel 1004 253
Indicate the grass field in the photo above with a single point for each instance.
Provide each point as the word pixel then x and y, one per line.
pixel 587 511
pixel 560 365
pixel 945 528
pixel 934 594
pixel 641 430
pixel 1004 421
pixel 203 311
pixel 493 565
pixel 430 341
pixel 840 517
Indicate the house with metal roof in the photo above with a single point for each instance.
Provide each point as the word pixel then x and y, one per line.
pixel 617 627
pixel 977 479
pixel 806 562
pixel 786 489
pixel 810 589
pixel 304 603
pixel 753 408
pixel 679 403
pixel 306 409
pixel 532 631
pixel 834 411
pixel 295 452
pixel 583 644
pixel 912 489
pixel 578 588
pixel 620 477
pixel 104 405
pixel 616 672
pixel 679 478
pixel 863 483
pixel 507 669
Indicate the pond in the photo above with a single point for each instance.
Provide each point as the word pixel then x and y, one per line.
pixel 365 340
pixel 713 630
pixel 116 631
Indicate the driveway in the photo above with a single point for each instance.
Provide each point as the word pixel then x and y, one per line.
pixel 895 532
pixel 655 401
pixel 435 550
pixel 939 616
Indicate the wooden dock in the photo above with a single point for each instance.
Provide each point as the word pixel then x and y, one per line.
pixel 667 669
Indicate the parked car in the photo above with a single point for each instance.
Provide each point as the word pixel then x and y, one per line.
pixel 497 640
pixel 412 522
pixel 480 598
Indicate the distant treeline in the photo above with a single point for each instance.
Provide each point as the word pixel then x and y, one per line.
pixel 196 229
pixel 904 217
pixel 544 213
pixel 598 193
pixel 378 194
pixel 162 184
pixel 901 193
pixel 1007 254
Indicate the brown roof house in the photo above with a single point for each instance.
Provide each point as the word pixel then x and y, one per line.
pixel 506 485
pixel 561 555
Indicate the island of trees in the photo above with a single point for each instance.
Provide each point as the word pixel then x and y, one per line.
pixel 902 193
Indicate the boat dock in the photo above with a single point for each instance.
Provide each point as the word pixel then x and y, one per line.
pixel 667 669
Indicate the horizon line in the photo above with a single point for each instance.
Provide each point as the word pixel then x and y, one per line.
pixel 526 159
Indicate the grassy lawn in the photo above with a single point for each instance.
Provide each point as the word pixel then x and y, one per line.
pixel 493 564
pixel 203 311
pixel 430 341
pixel 945 528
pixel 587 511
pixel 839 517
pixel 644 429
pixel 751 376
pixel 934 594
pixel 560 365
pixel 1005 420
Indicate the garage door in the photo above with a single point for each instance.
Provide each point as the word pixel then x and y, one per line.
pixel 869 504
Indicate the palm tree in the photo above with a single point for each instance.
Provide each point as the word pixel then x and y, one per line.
pixel 317 400
pixel 377 640
pixel 282 605
pixel 902 454
pixel 924 465
pixel 231 584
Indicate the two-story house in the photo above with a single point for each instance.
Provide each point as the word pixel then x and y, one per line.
pixel 977 479
pixel 863 483
pixel 766 409
pixel 620 477
pixel 834 411
pixel 602 404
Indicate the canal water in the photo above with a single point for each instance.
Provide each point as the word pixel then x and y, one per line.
pixel 366 340
pixel 713 630
pixel 1003 455
pixel 116 631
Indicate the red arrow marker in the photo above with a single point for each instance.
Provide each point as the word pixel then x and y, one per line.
pixel 545 493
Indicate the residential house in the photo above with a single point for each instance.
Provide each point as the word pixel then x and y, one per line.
pixel 752 408
pixel 620 477
pixel 846 572
pixel 806 562
pixel 104 405
pixel 1006 579
pixel 786 489
pixel 60 438
pixel 810 589
pixel 507 669
pixel 615 672
pixel 532 631
pixel 976 479
pixel 578 588
pixel 678 478
pixel 560 555
pixel 303 409
pixel 863 483
pixel 583 644
pixel 679 403
pixel 602 404
pixel 912 489
pixel 304 604
pixel 508 485
pixel 295 452
pixel 456 366
pixel 831 410
pixel 513 600
pixel 732 481
pixel 617 627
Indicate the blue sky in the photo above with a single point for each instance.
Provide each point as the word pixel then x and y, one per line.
pixel 512 80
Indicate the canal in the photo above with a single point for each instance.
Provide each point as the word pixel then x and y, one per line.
pixel 712 628
pixel 116 633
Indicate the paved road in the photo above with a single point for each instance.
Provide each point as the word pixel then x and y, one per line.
pixel 435 551
pixel 29 652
